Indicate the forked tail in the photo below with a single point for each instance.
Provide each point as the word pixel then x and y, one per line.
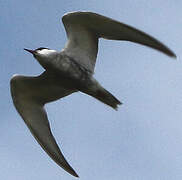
pixel 95 90
pixel 107 98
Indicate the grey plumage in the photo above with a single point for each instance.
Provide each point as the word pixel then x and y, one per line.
pixel 69 71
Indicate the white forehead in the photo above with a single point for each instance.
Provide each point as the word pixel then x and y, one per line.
pixel 46 51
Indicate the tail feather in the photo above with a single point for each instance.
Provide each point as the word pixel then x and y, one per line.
pixel 107 98
pixel 94 89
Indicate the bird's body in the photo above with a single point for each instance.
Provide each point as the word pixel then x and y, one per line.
pixel 68 71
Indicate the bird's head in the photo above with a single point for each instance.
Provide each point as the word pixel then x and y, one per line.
pixel 42 52
pixel 43 55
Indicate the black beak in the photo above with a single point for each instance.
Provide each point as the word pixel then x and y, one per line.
pixel 30 51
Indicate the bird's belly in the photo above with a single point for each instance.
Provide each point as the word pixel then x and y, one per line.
pixel 68 68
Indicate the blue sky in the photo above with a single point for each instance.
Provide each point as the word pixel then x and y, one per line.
pixel 142 140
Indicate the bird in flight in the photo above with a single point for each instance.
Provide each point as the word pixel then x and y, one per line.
pixel 71 70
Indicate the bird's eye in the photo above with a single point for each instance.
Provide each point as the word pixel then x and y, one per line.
pixel 41 48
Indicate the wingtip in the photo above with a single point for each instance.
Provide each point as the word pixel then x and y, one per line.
pixel 76 175
pixel 174 56
pixel 171 54
pixel 69 169
pixel 72 172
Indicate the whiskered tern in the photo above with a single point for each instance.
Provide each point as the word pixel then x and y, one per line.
pixel 71 70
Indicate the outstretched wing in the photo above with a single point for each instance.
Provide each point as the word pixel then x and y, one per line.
pixel 29 96
pixel 84 28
